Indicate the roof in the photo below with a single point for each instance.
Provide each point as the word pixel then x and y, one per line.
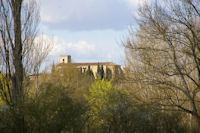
pixel 91 64
pixel 64 55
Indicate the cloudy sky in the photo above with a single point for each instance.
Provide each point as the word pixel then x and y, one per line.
pixel 88 30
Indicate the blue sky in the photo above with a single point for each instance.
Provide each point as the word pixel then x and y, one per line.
pixel 88 30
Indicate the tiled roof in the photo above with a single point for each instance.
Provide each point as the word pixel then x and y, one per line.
pixel 91 64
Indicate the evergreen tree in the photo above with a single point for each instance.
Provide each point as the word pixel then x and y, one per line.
pixel 102 72
pixel 53 68
pixel 81 70
pixel 108 74
pixel 117 74
pixel 89 72
pixel 98 71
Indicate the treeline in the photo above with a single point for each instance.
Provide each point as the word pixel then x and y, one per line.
pixel 158 92
pixel 103 72
pixel 72 102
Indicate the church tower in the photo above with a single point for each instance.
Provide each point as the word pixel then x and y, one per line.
pixel 65 59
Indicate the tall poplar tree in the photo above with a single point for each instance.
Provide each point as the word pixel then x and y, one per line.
pixel 18 28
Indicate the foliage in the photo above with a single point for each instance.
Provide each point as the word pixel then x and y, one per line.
pixel 4 85
pixel 110 108
pixel 60 107
pixel 52 111
pixel 53 68
pixel 108 74
pixel 100 71
pixel 163 55
pixel 160 93
pixel 89 72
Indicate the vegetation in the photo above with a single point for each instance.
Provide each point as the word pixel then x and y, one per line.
pixel 163 56
pixel 157 92
pixel 108 74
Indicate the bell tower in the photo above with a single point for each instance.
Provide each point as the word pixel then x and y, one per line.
pixel 65 59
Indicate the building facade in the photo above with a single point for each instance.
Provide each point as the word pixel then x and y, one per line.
pixel 112 67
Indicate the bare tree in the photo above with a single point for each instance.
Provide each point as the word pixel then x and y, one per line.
pixel 164 54
pixel 39 52
pixel 18 29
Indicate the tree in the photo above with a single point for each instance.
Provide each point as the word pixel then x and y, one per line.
pixel 108 74
pixel 98 70
pixel 38 53
pixel 63 100
pixel 53 68
pixel 18 28
pixel 110 108
pixel 102 72
pixel 164 54
pixel 90 73
pixel 53 110
pixel 117 75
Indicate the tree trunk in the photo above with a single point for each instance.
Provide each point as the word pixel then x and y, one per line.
pixel 17 79
pixel 195 123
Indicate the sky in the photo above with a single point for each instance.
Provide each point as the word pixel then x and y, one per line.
pixel 88 30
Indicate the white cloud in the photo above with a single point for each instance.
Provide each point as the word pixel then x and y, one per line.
pixel 82 51
pixel 134 3
pixel 64 10
pixel 78 49
pixel 76 15
pixel 59 46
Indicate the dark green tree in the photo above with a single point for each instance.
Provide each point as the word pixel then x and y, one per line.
pixel 81 70
pixel 117 75
pixel 89 72
pixel 102 72
pixel 108 74
pixel 53 68
pixel 98 70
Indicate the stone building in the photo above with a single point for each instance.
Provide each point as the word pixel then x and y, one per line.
pixel 114 68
